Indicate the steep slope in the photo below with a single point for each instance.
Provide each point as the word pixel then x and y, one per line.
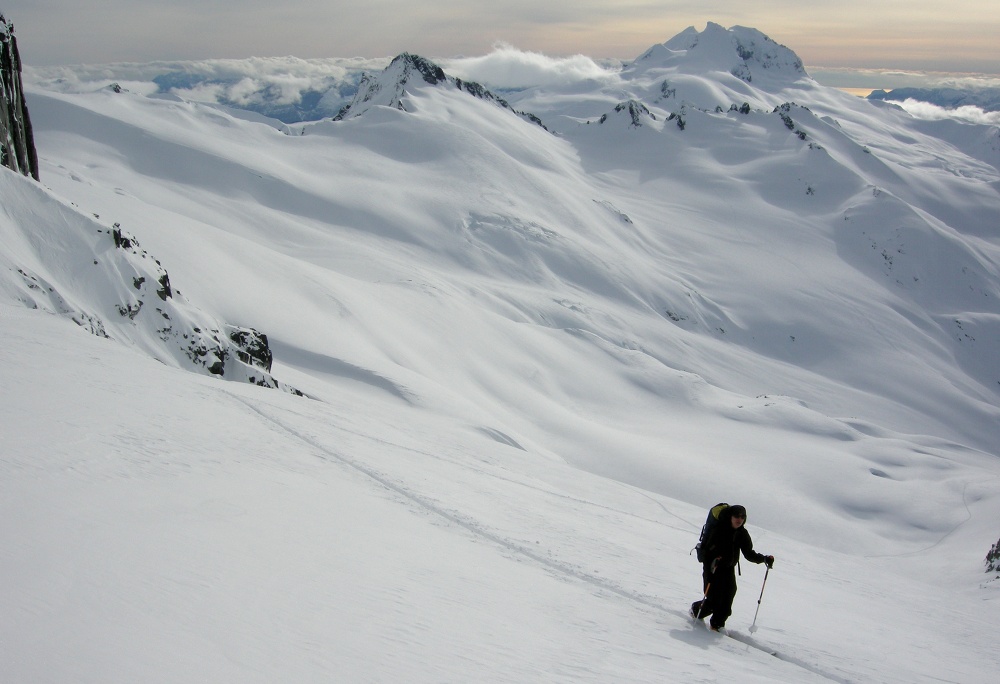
pixel 57 260
pixel 164 527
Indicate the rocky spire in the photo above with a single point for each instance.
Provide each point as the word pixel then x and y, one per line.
pixel 17 146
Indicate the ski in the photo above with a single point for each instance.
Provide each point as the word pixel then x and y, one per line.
pixel 750 641
pixel 737 636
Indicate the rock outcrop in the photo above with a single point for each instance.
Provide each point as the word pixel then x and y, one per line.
pixel 17 146
pixel 59 260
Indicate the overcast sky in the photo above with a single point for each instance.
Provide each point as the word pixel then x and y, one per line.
pixel 938 35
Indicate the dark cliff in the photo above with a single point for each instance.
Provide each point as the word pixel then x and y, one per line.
pixel 17 146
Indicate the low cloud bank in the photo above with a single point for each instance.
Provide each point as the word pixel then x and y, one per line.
pixel 285 88
pixel 287 79
pixel 293 90
pixel 933 112
pixel 888 79
pixel 509 67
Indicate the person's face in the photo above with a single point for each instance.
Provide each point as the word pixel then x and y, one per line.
pixel 738 522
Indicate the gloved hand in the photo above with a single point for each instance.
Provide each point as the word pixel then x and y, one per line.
pixel 769 561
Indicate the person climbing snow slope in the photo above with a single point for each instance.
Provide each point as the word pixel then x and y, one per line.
pixel 720 552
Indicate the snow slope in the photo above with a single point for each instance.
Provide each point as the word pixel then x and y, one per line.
pixel 532 358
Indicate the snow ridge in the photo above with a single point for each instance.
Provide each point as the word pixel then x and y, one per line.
pixel 389 88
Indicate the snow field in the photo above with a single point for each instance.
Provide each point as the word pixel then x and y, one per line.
pixel 531 362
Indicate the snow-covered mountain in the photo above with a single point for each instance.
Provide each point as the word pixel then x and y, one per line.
pixel 389 89
pixel 745 53
pixel 533 356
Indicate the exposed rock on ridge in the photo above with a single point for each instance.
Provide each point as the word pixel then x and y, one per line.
pixel 219 349
pixel 636 111
pixel 389 88
pixel 62 262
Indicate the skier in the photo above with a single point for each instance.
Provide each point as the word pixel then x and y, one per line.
pixel 721 554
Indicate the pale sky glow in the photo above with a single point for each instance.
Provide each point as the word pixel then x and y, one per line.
pixel 956 36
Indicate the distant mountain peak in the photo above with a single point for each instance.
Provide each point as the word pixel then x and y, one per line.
pixel 409 63
pixel 746 53
pixel 389 88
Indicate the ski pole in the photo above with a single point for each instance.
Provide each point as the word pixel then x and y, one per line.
pixel 704 600
pixel 753 627
pixel 708 586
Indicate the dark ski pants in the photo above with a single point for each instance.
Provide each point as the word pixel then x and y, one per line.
pixel 721 587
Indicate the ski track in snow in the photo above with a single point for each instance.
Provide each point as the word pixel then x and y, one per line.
pixel 548 564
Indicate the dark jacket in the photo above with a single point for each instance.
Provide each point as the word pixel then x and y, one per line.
pixel 727 543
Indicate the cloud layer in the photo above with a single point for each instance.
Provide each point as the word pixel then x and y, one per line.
pixel 294 89
pixel 887 79
pixel 970 113
pixel 266 83
pixel 508 67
